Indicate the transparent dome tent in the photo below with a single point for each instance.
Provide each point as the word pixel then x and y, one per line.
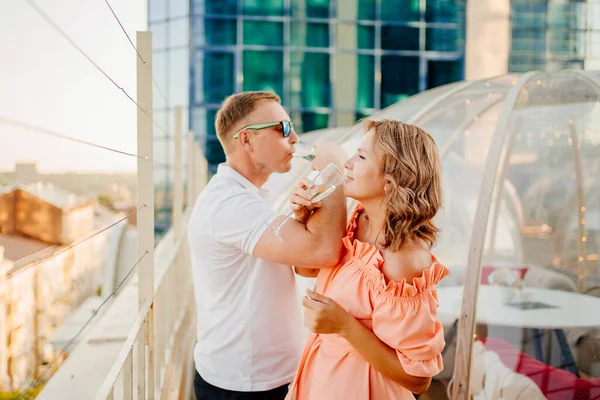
pixel 520 231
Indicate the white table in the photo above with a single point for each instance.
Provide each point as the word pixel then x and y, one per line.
pixel 570 310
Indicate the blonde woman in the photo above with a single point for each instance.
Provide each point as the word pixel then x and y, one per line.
pixel 375 333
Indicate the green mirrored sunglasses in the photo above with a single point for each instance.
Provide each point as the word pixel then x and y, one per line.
pixel 286 127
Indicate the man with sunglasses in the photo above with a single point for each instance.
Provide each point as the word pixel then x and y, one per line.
pixel 249 326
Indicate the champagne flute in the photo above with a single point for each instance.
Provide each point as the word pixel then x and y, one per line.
pixel 305 151
pixel 325 183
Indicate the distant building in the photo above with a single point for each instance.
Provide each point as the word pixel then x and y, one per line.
pixel 48 267
pixel 26 173
pixel 45 212
pixel 552 35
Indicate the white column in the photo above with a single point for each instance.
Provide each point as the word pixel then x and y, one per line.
pixel 145 193
pixel 177 179
pixel 344 66
pixel 201 170
pixel 191 149
pixel 487 39
pixel 198 171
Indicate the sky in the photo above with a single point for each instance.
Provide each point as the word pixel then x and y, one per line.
pixel 45 81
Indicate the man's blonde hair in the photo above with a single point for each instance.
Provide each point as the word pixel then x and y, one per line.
pixel 414 194
pixel 234 109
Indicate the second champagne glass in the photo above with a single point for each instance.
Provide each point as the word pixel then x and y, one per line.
pixel 328 179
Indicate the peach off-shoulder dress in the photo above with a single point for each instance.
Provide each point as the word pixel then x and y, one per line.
pixel 403 315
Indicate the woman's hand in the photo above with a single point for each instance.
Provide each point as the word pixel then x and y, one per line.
pixel 300 201
pixel 323 315
pixel 326 153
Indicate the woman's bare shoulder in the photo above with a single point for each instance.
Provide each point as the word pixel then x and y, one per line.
pixel 407 263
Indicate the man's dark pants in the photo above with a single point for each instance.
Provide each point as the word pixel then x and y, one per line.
pixel 205 391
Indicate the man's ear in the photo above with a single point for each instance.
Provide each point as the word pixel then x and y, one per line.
pixel 245 140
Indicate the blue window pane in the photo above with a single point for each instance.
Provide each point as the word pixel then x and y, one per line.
pixel 312 121
pixel 263 33
pixel 157 10
pixel 399 78
pixel 216 32
pixel 359 115
pixel 565 15
pixel 179 8
pixel 525 13
pixel 526 40
pixel 315 80
pixel 223 7
pixel 525 63
pixel 569 43
pixel 160 117
pixel 263 70
pixel 445 11
pixel 179 32
pixel 443 72
pixel 159 35
pixel 310 8
pixel 262 7
pixel 442 39
pixel 399 38
pixel 218 77
pixel 366 82
pixel 163 148
pixel 159 71
pixel 214 150
pixel 366 36
pixel 366 10
pixel 179 85
pixel 400 10
pixel 310 80
pixel 203 124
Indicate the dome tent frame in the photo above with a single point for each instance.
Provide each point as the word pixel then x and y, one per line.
pixel 487 125
pixel 495 174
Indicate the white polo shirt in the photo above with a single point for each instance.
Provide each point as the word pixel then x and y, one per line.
pixel 249 324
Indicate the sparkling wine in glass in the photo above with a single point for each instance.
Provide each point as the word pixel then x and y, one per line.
pixel 325 183
pixel 305 151
pixel 321 191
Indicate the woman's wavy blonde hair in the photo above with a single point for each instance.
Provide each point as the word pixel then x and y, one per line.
pixel 411 169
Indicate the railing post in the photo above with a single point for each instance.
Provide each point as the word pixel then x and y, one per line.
pixel 36 283
pixel 145 190
pixel 191 149
pixel 201 170
pixel 580 180
pixel 4 329
pixel 177 177
pixel 197 172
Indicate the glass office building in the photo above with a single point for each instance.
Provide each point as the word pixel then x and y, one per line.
pixel 169 21
pixel 554 34
pixel 331 61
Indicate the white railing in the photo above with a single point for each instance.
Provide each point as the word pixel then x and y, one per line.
pixel 154 360
pixel 156 355
pixel 139 338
